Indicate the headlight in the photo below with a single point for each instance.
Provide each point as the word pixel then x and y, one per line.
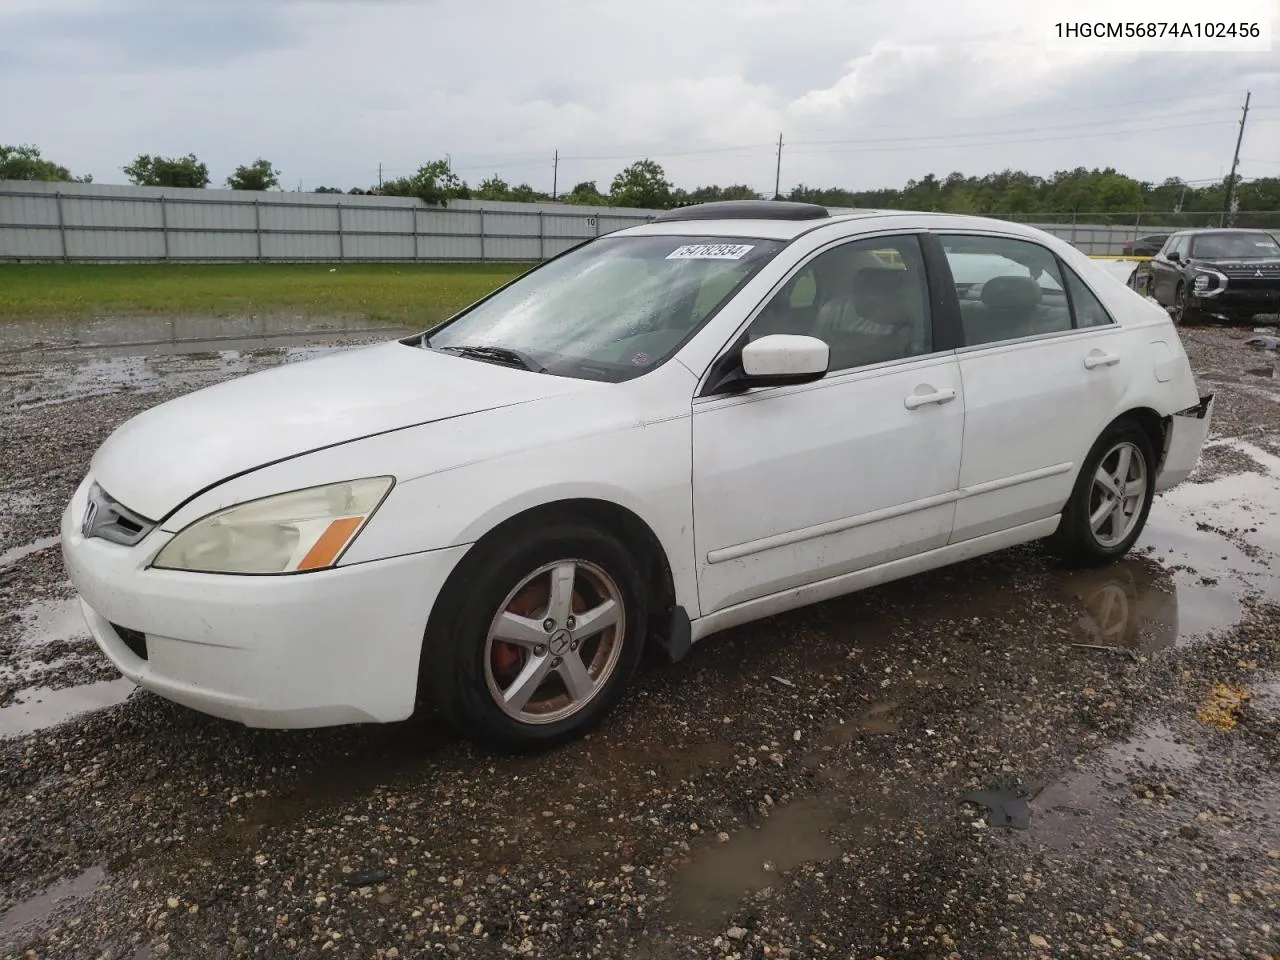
pixel 1209 282
pixel 289 533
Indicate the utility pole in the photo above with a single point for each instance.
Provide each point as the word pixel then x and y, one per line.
pixel 379 177
pixel 777 175
pixel 1227 213
pixel 555 174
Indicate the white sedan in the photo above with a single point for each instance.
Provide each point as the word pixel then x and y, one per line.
pixel 729 412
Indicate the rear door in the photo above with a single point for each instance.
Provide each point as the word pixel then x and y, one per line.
pixel 1043 367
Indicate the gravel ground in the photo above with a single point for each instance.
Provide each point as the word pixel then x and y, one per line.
pixel 795 788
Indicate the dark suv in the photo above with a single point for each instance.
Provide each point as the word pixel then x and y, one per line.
pixel 1228 274
pixel 1144 246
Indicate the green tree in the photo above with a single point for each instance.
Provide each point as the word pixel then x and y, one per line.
pixel 259 175
pixel 494 188
pixel 327 190
pixel 23 162
pixel 643 184
pixel 524 193
pixel 435 184
pixel 586 194
pixel 149 171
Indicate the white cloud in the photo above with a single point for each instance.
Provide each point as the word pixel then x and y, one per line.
pixel 328 89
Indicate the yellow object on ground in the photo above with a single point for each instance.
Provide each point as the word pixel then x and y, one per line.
pixel 1221 709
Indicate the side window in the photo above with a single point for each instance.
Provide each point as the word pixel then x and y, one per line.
pixel 1008 289
pixel 1088 308
pixel 867 299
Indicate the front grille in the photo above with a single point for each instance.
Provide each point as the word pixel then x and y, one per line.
pixel 108 518
pixel 1268 272
pixel 135 640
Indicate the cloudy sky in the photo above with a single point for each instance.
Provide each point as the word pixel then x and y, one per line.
pixel 865 94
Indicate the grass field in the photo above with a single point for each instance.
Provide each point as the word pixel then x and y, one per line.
pixel 417 294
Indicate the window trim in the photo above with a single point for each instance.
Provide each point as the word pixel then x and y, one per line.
pixel 965 346
pixel 1071 301
pixel 728 354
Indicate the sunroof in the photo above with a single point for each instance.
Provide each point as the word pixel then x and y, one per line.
pixel 746 210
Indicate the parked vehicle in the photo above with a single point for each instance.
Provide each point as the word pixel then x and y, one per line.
pixel 732 411
pixel 1231 275
pixel 1147 246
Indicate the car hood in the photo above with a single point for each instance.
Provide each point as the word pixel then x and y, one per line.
pixel 1268 265
pixel 164 456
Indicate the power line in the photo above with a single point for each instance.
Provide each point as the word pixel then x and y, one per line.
pixel 1001 143
pixel 997 133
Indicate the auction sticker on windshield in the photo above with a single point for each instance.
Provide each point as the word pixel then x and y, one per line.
pixel 710 251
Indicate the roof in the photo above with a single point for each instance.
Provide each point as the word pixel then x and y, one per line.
pixel 784 229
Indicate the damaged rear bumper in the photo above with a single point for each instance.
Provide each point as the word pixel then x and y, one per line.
pixel 1187 432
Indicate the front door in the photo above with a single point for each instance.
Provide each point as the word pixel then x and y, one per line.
pixel 792 485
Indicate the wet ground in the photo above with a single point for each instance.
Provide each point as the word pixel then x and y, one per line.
pixel 1002 759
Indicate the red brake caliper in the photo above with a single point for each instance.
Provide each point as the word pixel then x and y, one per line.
pixel 507 659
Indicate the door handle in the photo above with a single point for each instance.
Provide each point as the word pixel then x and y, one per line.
pixel 1100 359
pixel 918 399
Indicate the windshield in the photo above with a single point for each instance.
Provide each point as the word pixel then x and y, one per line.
pixel 610 310
pixel 1234 246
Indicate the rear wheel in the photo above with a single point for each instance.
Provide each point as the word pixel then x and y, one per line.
pixel 1108 507
pixel 538 638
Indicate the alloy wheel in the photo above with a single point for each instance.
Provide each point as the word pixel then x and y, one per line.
pixel 555 642
pixel 1118 493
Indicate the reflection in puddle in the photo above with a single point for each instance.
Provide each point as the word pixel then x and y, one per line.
pixel 709 888
pixel 42 707
pixel 40 907
pixel 46 622
pixel 1069 812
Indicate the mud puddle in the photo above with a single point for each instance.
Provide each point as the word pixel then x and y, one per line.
pixel 39 908
pixel 14 554
pixel 1078 810
pixel 45 622
pixel 100 376
pixel 23 336
pixel 39 708
pixel 710 886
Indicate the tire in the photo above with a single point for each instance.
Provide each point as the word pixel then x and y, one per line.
pixel 470 664
pixel 1077 540
pixel 1183 312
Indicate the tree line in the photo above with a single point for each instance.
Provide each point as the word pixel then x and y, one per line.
pixel 1104 194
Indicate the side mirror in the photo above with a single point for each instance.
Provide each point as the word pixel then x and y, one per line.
pixel 778 360
pixel 1173 255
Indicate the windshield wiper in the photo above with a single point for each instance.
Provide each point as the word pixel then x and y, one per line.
pixel 504 355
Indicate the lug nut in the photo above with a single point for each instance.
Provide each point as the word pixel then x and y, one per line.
pixel 548 624
pixel 573 645
pixel 540 650
pixel 556 661
pixel 570 623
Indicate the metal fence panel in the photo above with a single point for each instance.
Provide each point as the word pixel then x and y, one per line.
pixel 300 246
pixel 115 244
pixel 42 221
pixel 41 243
pixel 223 245
pixel 373 246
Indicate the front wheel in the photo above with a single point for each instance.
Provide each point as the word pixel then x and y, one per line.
pixel 1108 507
pixel 538 637
pixel 1183 311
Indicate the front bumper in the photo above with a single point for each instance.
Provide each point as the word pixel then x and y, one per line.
pixel 1237 302
pixel 307 650
pixel 1187 434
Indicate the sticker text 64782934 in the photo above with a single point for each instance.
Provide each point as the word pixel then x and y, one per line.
pixel 710 251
